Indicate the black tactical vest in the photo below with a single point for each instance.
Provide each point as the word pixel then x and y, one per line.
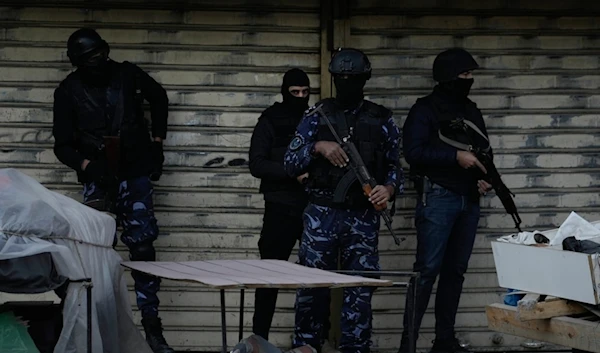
pixel 446 122
pixel 115 110
pixel 365 130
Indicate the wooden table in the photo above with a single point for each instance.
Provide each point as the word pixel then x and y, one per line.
pixel 251 274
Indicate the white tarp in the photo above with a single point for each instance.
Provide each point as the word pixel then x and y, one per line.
pixel 573 226
pixel 34 220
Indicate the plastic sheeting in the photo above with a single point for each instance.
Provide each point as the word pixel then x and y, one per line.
pixel 573 226
pixel 35 220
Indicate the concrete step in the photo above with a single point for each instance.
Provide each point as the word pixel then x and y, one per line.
pixel 488 59
pixel 386 260
pixel 223 98
pixel 393 299
pixel 487 80
pixel 214 138
pixel 170 54
pixel 245 118
pixel 164 75
pixel 220 240
pixel 232 57
pixel 209 158
pixel 474 41
pixel 285 320
pixel 223 77
pixel 384 341
pixel 240 178
pixel 208 37
pixel 183 197
pixel 46 34
pixel 459 21
pixel 533 218
pixel 170 27
pixel 539 7
pixel 159 17
pixel 285 5
pixel 241 97
pixel 552 99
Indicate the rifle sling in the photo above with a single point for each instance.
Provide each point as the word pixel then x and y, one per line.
pixel 115 129
pixel 464 146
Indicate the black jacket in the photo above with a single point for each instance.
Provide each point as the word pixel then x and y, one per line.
pixel 80 105
pixel 272 134
pixel 428 155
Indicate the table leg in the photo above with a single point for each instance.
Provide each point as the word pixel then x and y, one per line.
pixel 412 320
pixel 89 318
pixel 241 329
pixel 223 323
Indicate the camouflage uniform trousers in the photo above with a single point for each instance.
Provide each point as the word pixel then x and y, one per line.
pixel 135 214
pixel 353 234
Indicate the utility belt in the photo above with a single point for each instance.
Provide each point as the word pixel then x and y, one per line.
pixel 356 203
pixel 424 185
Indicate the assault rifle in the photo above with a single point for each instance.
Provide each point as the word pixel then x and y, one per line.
pixel 486 165
pixel 504 194
pixel 357 165
pixel 107 148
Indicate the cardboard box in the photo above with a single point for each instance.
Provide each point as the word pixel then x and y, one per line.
pixel 548 270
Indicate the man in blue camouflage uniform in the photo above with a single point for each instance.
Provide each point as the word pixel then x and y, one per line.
pixel 102 102
pixel 339 217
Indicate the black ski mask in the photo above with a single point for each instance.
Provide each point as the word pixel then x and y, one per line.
pixel 95 66
pixel 295 77
pixel 349 90
pixel 457 89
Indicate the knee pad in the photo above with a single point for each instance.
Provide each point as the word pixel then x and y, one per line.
pixel 142 252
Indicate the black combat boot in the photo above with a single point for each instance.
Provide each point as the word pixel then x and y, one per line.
pixel 154 336
pixel 448 346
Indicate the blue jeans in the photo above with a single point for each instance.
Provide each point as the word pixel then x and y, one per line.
pixel 446 227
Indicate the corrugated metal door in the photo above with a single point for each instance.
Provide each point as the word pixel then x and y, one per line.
pixel 539 95
pixel 222 64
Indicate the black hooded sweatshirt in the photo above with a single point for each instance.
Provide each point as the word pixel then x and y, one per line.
pixel 272 134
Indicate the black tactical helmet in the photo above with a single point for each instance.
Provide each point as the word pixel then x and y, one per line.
pixel 451 63
pixel 84 41
pixel 349 61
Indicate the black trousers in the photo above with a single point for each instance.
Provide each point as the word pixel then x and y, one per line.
pixel 279 234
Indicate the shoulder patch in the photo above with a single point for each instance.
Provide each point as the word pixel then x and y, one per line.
pixel 310 110
pixel 296 143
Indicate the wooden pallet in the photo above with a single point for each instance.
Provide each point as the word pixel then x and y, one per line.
pixel 580 331
pixel 535 306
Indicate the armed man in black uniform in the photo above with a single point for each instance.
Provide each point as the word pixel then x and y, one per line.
pixel 449 180
pixel 101 133
pixel 285 197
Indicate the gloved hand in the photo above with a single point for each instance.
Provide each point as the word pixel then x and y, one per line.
pixel 158 158
pixel 97 171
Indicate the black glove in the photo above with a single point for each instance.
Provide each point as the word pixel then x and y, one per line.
pixel 158 158
pixel 97 171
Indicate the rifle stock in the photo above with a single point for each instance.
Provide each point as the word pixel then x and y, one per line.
pixel 367 183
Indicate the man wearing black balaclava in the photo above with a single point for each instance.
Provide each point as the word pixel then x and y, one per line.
pixel 285 197
pixel 449 183
pixel 340 218
pixel 100 132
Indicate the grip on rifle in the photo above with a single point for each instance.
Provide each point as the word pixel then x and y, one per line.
pixel 368 189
